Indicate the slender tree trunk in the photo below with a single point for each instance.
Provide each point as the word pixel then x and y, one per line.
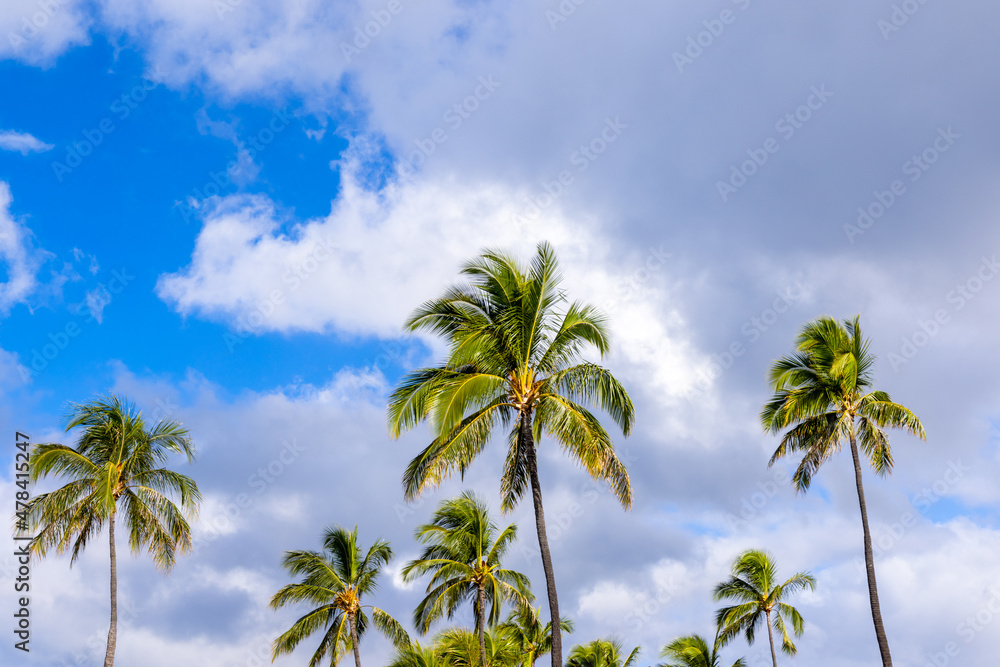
pixel 353 620
pixel 543 540
pixel 109 656
pixel 883 643
pixel 770 637
pixel 481 620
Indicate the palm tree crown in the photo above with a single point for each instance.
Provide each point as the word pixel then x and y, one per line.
pixel 116 473
pixel 464 554
pixel 825 391
pixel 513 361
pixel 601 653
pixel 532 637
pixel 753 585
pixel 458 647
pixel 824 394
pixel 693 651
pixel 335 580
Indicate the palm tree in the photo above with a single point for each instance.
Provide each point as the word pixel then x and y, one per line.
pixel 416 655
pixel 693 651
pixel 464 552
pixel 116 474
pixel 601 653
pixel 458 647
pixel 754 585
pixel 824 392
pixel 514 360
pixel 335 580
pixel 533 639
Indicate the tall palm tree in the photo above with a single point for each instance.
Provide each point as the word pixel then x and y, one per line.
pixel 335 580
pixel 116 475
pixel 464 555
pixel 824 392
pixel 514 361
pixel 693 651
pixel 533 639
pixel 601 653
pixel 754 585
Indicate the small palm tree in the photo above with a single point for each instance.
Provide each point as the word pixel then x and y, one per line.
pixel 335 580
pixel 693 651
pixel 458 647
pixel 416 655
pixel 533 639
pixel 824 392
pixel 601 653
pixel 116 475
pixel 754 585
pixel 514 361
pixel 464 555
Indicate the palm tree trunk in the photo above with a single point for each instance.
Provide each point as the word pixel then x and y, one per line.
pixel 481 621
pixel 543 540
pixel 353 620
pixel 883 643
pixel 109 656
pixel 770 637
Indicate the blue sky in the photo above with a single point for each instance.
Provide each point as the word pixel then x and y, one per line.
pixel 226 209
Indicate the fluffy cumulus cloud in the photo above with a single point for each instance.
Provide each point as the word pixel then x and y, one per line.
pixel 398 247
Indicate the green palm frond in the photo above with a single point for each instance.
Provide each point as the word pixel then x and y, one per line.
pixel 822 392
pixel 114 469
pixel 463 553
pixel 753 585
pixel 693 651
pixel 601 653
pixel 503 328
pixel 335 581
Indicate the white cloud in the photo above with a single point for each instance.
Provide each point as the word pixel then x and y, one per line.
pixel 12 372
pixel 22 142
pixel 16 252
pixel 37 31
